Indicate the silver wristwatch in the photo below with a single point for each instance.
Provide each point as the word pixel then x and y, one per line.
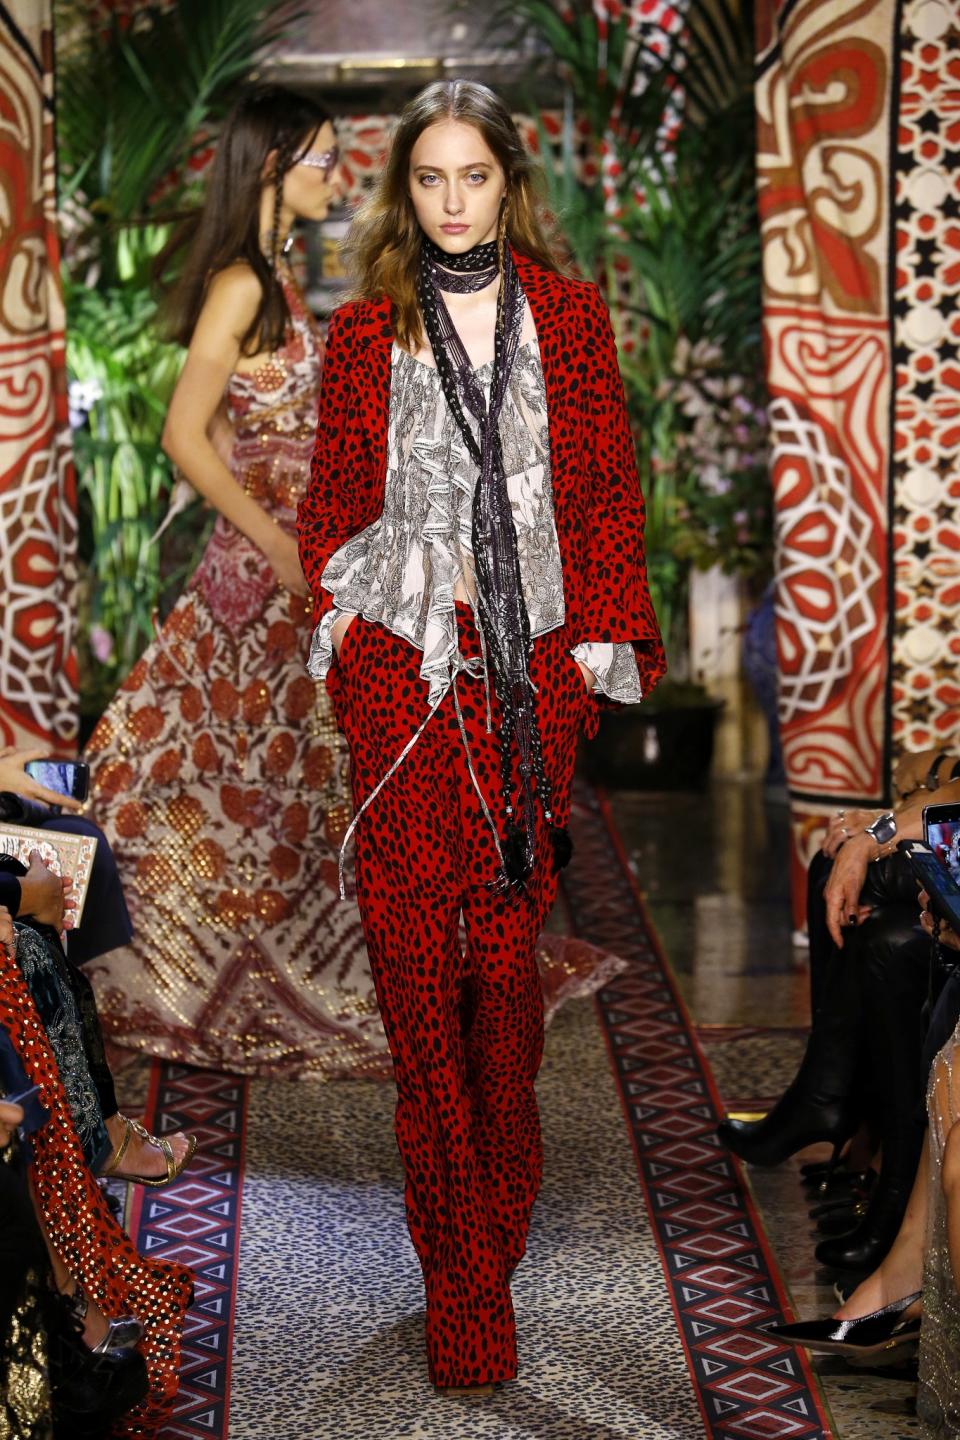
pixel 883 828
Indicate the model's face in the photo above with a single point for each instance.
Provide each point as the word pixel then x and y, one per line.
pixel 456 186
pixel 313 183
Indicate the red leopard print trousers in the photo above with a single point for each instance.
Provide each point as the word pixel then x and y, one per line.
pixel 464 1024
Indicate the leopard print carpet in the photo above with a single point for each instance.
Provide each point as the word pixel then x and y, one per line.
pixel 329 1330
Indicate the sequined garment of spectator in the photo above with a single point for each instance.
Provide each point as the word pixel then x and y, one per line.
pixel 220 779
pixel 77 1219
pixel 938 1395
pixel 403 569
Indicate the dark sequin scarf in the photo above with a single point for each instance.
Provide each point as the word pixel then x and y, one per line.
pixel 501 611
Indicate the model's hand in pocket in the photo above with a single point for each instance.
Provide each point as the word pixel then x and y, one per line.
pixel 340 627
pixel 587 676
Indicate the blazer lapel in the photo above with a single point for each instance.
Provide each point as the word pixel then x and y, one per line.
pixel 371 380
pixel 541 288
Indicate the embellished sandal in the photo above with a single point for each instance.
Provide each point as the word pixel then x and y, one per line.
pixel 133 1127
pixel 466 1392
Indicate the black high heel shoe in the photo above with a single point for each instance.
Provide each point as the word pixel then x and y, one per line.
pixel 870 1335
pixel 90 1388
pixel 795 1122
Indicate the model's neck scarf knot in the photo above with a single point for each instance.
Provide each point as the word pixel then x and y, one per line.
pixel 501 611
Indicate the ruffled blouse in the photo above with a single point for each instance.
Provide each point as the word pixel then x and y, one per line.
pixel 403 569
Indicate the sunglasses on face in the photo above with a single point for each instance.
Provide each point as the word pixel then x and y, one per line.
pixel 325 160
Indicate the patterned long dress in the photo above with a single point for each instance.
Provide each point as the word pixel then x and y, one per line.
pixel 220 779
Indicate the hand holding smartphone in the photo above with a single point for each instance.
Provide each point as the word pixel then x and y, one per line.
pixel 932 875
pixel 65 777
pixel 941 831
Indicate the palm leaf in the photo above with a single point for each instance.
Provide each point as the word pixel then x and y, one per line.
pixel 132 102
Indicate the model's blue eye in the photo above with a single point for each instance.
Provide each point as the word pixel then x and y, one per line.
pixel 480 175
pixel 428 179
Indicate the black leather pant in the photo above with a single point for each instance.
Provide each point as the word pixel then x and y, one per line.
pixel 871 999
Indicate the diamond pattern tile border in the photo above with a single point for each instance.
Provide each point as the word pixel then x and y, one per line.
pixel 197 1221
pixel 723 1279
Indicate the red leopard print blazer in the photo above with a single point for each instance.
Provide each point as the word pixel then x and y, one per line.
pixel 598 506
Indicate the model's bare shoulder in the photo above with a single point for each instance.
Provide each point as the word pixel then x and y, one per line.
pixel 233 298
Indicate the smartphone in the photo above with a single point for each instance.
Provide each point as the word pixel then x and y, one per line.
pixel 934 877
pixel 941 830
pixel 67 777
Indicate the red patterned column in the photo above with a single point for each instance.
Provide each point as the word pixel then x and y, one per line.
pixel 926 332
pixel 824 101
pixel 37 487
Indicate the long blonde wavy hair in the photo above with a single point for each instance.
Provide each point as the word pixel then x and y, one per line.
pixel 383 244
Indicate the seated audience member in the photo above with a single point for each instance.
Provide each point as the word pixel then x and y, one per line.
pixel 916 1288
pixel 64 1369
pixel 870 985
pixel 116 1145
pixel 24 1378
pixel 24 801
pixel 42 900
pixel 116 1303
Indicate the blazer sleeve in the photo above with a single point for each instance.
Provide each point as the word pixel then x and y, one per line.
pixel 320 523
pixel 616 597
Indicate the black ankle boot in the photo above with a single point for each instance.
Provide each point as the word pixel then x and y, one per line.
pixel 862 1250
pixel 841 1222
pixel 796 1121
pixel 820 1103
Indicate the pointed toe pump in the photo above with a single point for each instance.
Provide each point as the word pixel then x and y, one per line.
pixel 868 1336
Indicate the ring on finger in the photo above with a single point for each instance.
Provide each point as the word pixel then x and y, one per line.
pixel 844 832
pixel 841 814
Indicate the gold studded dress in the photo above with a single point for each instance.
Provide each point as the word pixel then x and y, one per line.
pixel 220 779
pixel 938 1394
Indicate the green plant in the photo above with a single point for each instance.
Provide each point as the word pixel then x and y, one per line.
pixel 725 510
pixel 122 376
pixel 141 88
pixel 669 227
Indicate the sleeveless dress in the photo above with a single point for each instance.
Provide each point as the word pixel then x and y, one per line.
pixel 938 1395
pixel 221 781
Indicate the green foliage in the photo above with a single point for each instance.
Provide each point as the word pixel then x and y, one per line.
pixel 124 376
pixel 139 94
pixel 679 255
